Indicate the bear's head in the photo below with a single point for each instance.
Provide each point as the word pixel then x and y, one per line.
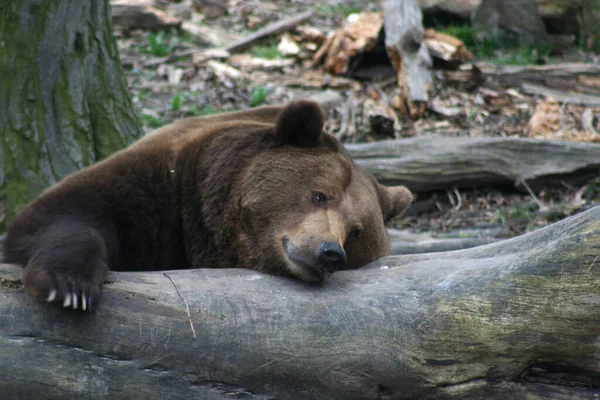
pixel 306 208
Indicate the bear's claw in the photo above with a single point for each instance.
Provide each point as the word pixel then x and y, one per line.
pixel 73 300
pixel 67 301
pixel 51 296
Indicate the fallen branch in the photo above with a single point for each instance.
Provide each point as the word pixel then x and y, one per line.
pixel 536 72
pixel 446 48
pixel 514 319
pixel 563 96
pixel 273 29
pixel 425 163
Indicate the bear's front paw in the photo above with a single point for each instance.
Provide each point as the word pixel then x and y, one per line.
pixel 78 289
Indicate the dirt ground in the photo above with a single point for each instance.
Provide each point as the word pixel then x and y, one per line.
pixel 168 82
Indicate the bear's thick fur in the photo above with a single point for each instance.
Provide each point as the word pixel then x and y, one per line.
pixel 264 189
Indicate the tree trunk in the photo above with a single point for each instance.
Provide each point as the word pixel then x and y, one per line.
pixel 405 45
pixel 590 29
pixel 513 19
pixel 517 319
pixel 63 99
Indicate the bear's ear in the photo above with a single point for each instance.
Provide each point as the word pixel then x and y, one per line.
pixel 300 123
pixel 394 200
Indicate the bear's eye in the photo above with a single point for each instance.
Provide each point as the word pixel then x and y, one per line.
pixel 319 198
pixel 354 234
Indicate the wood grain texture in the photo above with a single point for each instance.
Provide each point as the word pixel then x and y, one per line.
pixel 432 163
pixel 517 318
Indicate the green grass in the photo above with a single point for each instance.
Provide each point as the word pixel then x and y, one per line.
pixel 270 52
pixel 177 102
pixel 259 95
pixel 497 49
pixel 523 56
pixel 151 121
pixel 465 32
pixel 198 111
pixel 161 44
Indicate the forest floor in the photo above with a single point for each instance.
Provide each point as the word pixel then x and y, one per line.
pixel 170 79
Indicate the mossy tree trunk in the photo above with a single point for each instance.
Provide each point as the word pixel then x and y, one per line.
pixel 63 99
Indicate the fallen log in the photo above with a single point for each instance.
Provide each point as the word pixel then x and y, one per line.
pixel 425 163
pixel 563 96
pixel 514 319
pixel 514 73
pixel 568 77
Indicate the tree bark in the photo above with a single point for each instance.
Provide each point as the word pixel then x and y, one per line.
pixel 63 99
pixel 431 163
pixel 513 19
pixel 515 319
pixel 590 31
pixel 405 45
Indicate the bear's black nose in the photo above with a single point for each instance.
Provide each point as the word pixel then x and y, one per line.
pixel 332 256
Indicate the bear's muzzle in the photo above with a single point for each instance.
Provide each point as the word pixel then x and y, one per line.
pixel 315 262
pixel 331 256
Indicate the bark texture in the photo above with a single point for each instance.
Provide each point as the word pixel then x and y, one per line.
pixel 517 319
pixel 405 45
pixel 63 99
pixel 514 19
pixel 431 163
pixel 590 29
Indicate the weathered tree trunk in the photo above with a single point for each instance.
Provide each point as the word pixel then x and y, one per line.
pixel 514 19
pixel 433 163
pixel 404 41
pixel 517 319
pixel 590 29
pixel 63 99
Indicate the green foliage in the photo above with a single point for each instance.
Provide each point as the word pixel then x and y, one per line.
pixel 497 49
pixel 177 102
pixel 524 56
pixel 198 111
pixel 270 52
pixel 152 121
pixel 259 95
pixel 473 113
pixel 161 44
pixel 464 32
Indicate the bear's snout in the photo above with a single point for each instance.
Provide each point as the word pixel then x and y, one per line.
pixel 310 262
pixel 331 256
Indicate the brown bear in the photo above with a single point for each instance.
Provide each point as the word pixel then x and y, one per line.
pixel 264 189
